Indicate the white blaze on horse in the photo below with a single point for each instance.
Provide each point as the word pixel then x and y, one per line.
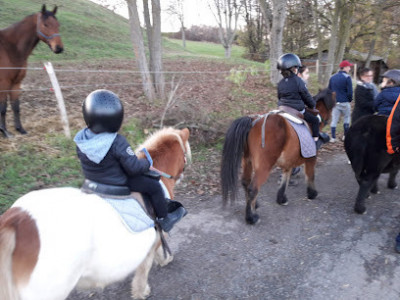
pixel 52 240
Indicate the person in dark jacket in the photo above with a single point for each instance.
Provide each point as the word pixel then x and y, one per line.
pixel 293 92
pixel 390 86
pixel 364 95
pixel 342 85
pixel 107 158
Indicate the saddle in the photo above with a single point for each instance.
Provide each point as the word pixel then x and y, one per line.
pixel 296 113
pixel 123 192
pixel 291 111
pixel 101 189
pixel 115 195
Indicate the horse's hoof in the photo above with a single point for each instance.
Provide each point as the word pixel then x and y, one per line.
pixel 252 219
pixel 282 200
pixel 392 185
pixel 360 210
pixel 141 294
pixel 311 193
pixel 21 130
pixel 5 133
pixel 166 261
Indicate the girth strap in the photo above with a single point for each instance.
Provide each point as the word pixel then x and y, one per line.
pixel 265 116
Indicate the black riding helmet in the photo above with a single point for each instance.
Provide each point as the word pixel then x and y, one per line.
pixel 103 111
pixel 394 75
pixel 287 61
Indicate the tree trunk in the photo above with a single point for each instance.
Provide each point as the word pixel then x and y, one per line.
pixel 228 50
pixel 346 14
pixel 278 22
pixel 156 64
pixel 266 13
pixel 226 30
pixel 183 36
pixel 378 29
pixel 139 49
pixel 149 33
pixel 319 38
pixel 332 43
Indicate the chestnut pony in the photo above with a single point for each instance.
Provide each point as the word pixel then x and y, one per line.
pixel 16 44
pixel 52 240
pixel 243 144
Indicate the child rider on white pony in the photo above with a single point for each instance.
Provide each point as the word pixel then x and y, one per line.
pixel 109 162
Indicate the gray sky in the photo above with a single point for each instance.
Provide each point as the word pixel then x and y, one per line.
pixel 197 12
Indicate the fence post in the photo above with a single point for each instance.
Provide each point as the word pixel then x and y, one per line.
pixel 317 67
pixel 60 100
pixel 355 72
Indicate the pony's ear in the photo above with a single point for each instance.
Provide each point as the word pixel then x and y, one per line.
pixel 55 10
pixel 44 9
pixel 185 134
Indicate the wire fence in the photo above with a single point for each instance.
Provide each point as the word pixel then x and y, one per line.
pixel 312 65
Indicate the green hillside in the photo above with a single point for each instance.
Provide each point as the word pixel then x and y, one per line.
pixel 91 32
pixel 88 30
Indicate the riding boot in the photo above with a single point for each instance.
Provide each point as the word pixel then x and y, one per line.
pixel 171 219
pixel 324 137
pixel 333 132
pixel 173 205
pixel 318 144
pixel 346 128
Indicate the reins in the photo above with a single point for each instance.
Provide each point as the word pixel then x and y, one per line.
pixel 41 33
pixel 163 174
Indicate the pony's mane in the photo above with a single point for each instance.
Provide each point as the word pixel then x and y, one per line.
pixel 326 96
pixel 159 137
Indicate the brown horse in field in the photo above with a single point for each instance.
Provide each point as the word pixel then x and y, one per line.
pixel 16 44
pixel 281 147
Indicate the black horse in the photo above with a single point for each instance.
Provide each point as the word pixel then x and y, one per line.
pixel 365 145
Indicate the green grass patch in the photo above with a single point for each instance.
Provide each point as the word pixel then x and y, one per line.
pixel 55 164
pixel 26 169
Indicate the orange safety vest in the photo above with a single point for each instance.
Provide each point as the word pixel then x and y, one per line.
pixel 390 149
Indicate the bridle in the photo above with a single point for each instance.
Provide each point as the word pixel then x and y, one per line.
pixel 41 33
pixel 185 159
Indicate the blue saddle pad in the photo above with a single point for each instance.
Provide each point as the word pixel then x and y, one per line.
pixel 307 143
pixel 131 213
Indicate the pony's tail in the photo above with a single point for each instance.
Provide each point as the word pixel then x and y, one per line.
pixel 234 145
pixel 7 244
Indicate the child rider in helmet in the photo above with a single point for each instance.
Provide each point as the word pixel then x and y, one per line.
pixel 107 158
pixel 293 92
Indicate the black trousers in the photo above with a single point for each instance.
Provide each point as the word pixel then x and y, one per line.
pixel 152 188
pixel 314 121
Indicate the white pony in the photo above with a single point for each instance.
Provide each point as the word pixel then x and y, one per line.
pixel 55 239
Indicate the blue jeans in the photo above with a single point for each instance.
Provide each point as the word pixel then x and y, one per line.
pixel 341 108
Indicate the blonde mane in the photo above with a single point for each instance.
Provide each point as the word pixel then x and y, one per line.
pixel 156 139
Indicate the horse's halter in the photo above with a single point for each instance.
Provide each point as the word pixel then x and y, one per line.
pixel 41 33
